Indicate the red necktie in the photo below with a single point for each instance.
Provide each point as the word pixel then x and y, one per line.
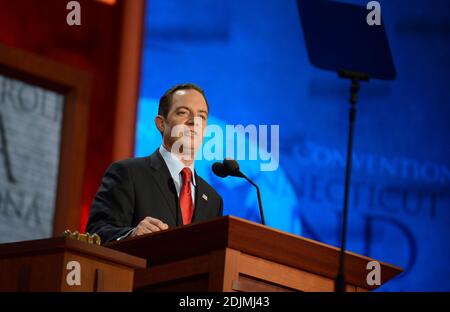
pixel 187 207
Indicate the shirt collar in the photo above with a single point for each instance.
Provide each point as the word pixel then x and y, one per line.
pixel 174 164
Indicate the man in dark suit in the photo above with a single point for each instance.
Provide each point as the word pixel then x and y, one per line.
pixel 161 191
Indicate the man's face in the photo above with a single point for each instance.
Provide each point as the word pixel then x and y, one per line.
pixel 185 123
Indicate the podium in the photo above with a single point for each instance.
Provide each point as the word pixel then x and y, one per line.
pixel 44 265
pixel 232 254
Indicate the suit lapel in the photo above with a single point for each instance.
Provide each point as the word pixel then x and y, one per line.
pixel 201 200
pixel 162 177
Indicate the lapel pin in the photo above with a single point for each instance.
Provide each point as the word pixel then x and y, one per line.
pixel 205 197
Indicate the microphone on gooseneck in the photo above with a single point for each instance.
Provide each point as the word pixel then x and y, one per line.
pixel 230 167
pixel 219 170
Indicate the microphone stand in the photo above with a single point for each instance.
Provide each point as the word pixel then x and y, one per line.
pixel 259 196
pixel 230 167
pixel 339 283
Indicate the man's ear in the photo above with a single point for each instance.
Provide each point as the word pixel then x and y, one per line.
pixel 159 123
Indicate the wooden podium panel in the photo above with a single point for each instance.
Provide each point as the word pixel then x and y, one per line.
pixel 232 254
pixel 41 265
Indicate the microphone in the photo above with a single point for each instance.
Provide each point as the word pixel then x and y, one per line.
pixel 219 170
pixel 230 167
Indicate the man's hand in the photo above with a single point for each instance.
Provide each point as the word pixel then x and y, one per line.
pixel 148 225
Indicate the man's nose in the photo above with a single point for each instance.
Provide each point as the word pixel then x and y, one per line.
pixel 190 121
pixel 199 122
pixel 194 121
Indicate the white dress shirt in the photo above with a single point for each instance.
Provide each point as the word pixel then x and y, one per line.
pixel 175 166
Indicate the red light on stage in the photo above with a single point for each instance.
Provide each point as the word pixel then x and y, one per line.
pixel 109 2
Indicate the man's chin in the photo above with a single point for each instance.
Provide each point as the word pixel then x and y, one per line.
pixel 187 145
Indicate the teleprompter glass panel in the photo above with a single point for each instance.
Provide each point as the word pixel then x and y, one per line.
pixel 30 134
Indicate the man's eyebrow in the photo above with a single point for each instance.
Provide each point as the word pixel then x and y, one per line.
pixel 187 108
pixel 184 107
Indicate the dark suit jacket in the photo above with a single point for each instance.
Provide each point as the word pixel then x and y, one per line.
pixel 135 188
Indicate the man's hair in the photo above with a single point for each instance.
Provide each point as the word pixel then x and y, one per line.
pixel 166 100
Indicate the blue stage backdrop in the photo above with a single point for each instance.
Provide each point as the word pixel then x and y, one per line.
pixel 250 57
